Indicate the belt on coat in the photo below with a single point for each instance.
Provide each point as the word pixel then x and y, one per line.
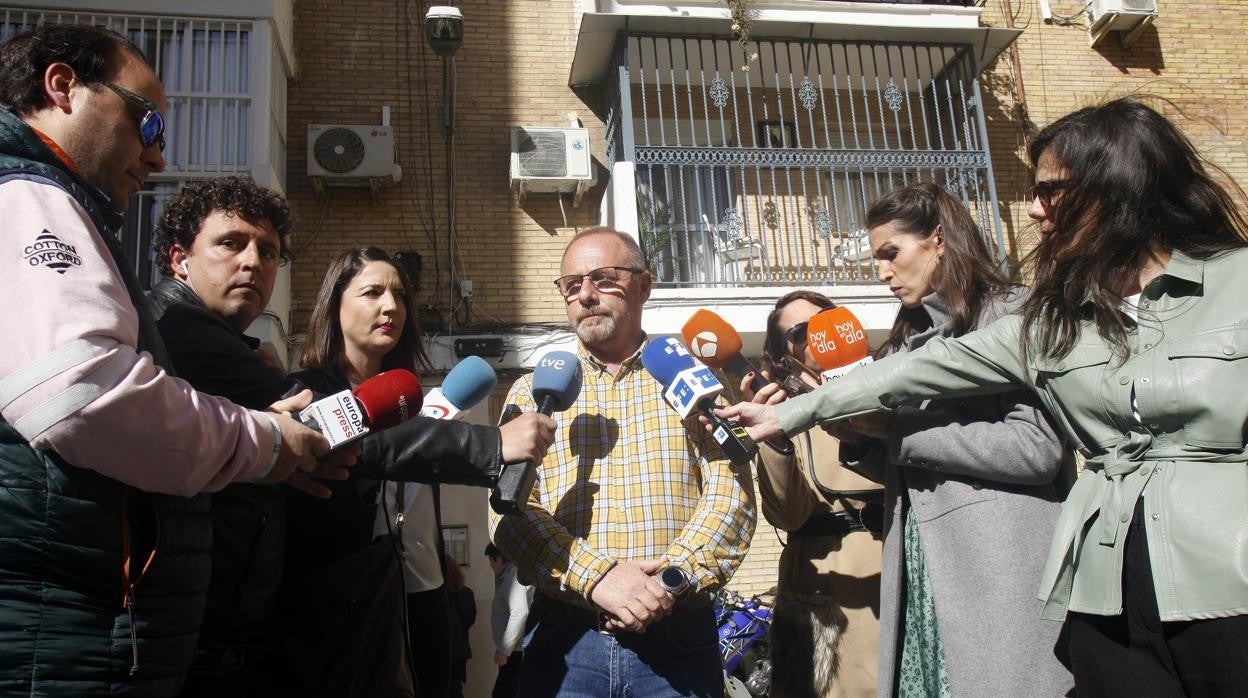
pixel 869 517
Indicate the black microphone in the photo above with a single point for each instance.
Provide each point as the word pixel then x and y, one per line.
pixel 556 385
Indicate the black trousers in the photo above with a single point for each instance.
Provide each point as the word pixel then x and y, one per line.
pixel 429 626
pixel 1137 655
pixel 508 680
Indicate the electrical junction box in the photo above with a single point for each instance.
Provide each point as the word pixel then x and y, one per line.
pixel 485 347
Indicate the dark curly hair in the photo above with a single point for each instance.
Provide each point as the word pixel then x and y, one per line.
pixel 183 217
pixel 93 53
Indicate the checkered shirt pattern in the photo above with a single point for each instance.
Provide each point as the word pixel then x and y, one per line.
pixel 627 479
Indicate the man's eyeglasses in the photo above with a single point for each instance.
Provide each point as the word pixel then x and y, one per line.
pixel 1044 191
pixel 603 279
pixel 151 124
pixel 795 336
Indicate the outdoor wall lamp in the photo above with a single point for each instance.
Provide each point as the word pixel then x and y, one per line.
pixel 444 30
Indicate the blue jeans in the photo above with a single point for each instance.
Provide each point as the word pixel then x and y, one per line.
pixel 675 657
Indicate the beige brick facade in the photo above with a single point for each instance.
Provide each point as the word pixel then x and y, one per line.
pixel 356 56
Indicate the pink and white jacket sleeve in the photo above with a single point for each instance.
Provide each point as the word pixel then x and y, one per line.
pixel 71 380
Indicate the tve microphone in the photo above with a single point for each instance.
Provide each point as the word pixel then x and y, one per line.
pixel 837 341
pixel 378 403
pixel 556 385
pixel 689 386
pixel 470 382
pixel 718 345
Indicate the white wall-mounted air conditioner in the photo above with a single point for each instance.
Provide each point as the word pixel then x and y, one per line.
pixel 352 155
pixel 547 160
pixel 1119 15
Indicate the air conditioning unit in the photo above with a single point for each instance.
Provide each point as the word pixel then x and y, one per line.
pixel 352 155
pixel 548 160
pixel 1120 15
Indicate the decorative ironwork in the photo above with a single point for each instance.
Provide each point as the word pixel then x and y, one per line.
pixel 806 93
pixel 823 223
pixel 870 160
pixel 892 95
pixel 733 224
pixel 785 203
pixel 719 93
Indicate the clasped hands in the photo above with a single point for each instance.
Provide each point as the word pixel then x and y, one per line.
pixel 631 596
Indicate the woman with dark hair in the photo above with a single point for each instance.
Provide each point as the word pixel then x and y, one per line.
pixel 825 629
pixel 1133 339
pixel 970 484
pixel 347 619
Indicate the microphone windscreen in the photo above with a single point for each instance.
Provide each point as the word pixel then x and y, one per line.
pixel 664 357
pixel 835 338
pixel 557 376
pixel 389 397
pixel 469 382
pixel 711 338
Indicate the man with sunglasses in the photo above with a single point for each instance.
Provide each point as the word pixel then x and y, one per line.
pixel 105 545
pixel 638 517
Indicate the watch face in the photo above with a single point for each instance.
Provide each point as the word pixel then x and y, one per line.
pixel 673 578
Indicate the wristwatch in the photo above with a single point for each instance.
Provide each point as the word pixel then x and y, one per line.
pixel 674 580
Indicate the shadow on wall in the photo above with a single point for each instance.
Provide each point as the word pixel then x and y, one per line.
pixel 1143 54
pixel 1011 169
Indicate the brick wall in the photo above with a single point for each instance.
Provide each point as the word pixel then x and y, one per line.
pixel 355 56
pixel 1191 59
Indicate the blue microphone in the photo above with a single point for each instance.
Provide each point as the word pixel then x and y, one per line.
pixel 689 386
pixel 556 385
pixel 469 382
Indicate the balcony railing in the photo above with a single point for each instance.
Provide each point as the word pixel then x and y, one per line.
pixel 764 176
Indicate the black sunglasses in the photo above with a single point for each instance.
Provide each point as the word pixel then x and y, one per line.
pixel 796 335
pixel 151 124
pixel 1044 191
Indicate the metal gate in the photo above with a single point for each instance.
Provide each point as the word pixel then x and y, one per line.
pixel 763 175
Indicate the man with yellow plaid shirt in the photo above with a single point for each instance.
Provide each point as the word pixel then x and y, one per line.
pixel 636 517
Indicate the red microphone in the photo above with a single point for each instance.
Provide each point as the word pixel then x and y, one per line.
pixel 711 339
pixel 837 341
pixel 378 403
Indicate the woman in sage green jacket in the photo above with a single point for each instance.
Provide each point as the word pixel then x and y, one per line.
pixel 1134 338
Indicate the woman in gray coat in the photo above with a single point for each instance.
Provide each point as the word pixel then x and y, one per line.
pixel 973 485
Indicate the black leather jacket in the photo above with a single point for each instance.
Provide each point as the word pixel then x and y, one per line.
pixel 418 450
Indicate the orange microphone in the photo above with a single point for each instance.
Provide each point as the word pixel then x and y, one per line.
pixel 837 341
pixel 718 345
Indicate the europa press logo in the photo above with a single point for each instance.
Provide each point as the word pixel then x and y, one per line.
pixel 48 251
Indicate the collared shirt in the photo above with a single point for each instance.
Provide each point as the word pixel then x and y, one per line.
pixel 1184 453
pixel 627 479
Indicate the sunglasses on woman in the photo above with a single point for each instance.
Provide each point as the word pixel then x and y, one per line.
pixel 151 124
pixel 1045 191
pixel 795 336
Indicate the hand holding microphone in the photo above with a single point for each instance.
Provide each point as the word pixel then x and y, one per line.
pixel 691 388
pixel 378 403
pixel 556 385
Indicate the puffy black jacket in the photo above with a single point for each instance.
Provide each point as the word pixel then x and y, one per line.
pixel 101 586
pixel 248 521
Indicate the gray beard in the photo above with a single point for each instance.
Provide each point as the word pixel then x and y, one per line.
pixel 601 330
